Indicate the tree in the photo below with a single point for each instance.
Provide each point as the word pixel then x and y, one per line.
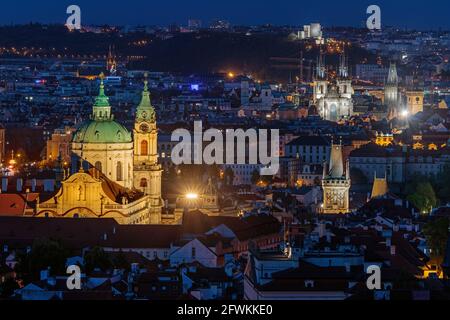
pixel 44 254
pixel 436 233
pixel 97 259
pixel 424 198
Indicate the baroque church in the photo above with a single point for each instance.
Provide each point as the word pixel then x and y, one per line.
pixel 114 174
pixel 333 99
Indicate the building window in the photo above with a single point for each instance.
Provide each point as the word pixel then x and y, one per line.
pixel 119 173
pixel 144 183
pixel 193 253
pixel 144 148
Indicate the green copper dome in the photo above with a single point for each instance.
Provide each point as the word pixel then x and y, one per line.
pixel 94 131
pixel 102 128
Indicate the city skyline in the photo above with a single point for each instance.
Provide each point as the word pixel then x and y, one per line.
pixel 402 14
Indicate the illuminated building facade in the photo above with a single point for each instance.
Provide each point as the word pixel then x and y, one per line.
pixel 113 175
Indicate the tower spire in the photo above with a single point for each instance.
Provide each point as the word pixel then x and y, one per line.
pixel 343 65
pixel 145 110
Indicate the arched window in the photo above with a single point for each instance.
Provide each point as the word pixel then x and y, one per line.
pixel 119 171
pixel 98 166
pixel 144 148
pixel 144 183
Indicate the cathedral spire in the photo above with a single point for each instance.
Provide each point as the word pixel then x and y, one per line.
pixel 320 72
pixel 343 65
pixel 393 75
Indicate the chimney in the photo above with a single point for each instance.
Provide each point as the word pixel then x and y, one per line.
pixel 4 184
pixel 19 184
pixel 393 250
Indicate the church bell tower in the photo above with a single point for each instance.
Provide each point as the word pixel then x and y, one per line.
pixel 147 170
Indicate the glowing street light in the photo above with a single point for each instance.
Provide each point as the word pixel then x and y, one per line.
pixel 405 113
pixel 191 196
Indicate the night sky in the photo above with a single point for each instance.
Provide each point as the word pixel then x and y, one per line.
pixel 432 14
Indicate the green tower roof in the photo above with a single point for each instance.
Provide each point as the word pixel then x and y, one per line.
pixel 145 110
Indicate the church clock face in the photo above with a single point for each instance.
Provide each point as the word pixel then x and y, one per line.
pixel 144 127
pixel 144 115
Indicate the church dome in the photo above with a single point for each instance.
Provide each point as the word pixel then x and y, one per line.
pixel 102 128
pixel 94 131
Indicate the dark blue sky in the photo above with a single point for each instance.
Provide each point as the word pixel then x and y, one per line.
pixel 431 14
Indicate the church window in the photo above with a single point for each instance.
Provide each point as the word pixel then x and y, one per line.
pixel 144 183
pixel 144 148
pixel 119 171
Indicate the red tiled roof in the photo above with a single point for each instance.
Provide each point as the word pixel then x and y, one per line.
pixel 15 204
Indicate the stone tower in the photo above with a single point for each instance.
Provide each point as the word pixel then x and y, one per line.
pixel 336 184
pixel 147 170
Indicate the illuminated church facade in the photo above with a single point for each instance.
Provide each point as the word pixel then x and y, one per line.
pixel 333 99
pixel 114 174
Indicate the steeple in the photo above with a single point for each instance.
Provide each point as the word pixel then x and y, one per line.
pixel 320 72
pixel 101 109
pixel 145 110
pixel 393 75
pixel 343 65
